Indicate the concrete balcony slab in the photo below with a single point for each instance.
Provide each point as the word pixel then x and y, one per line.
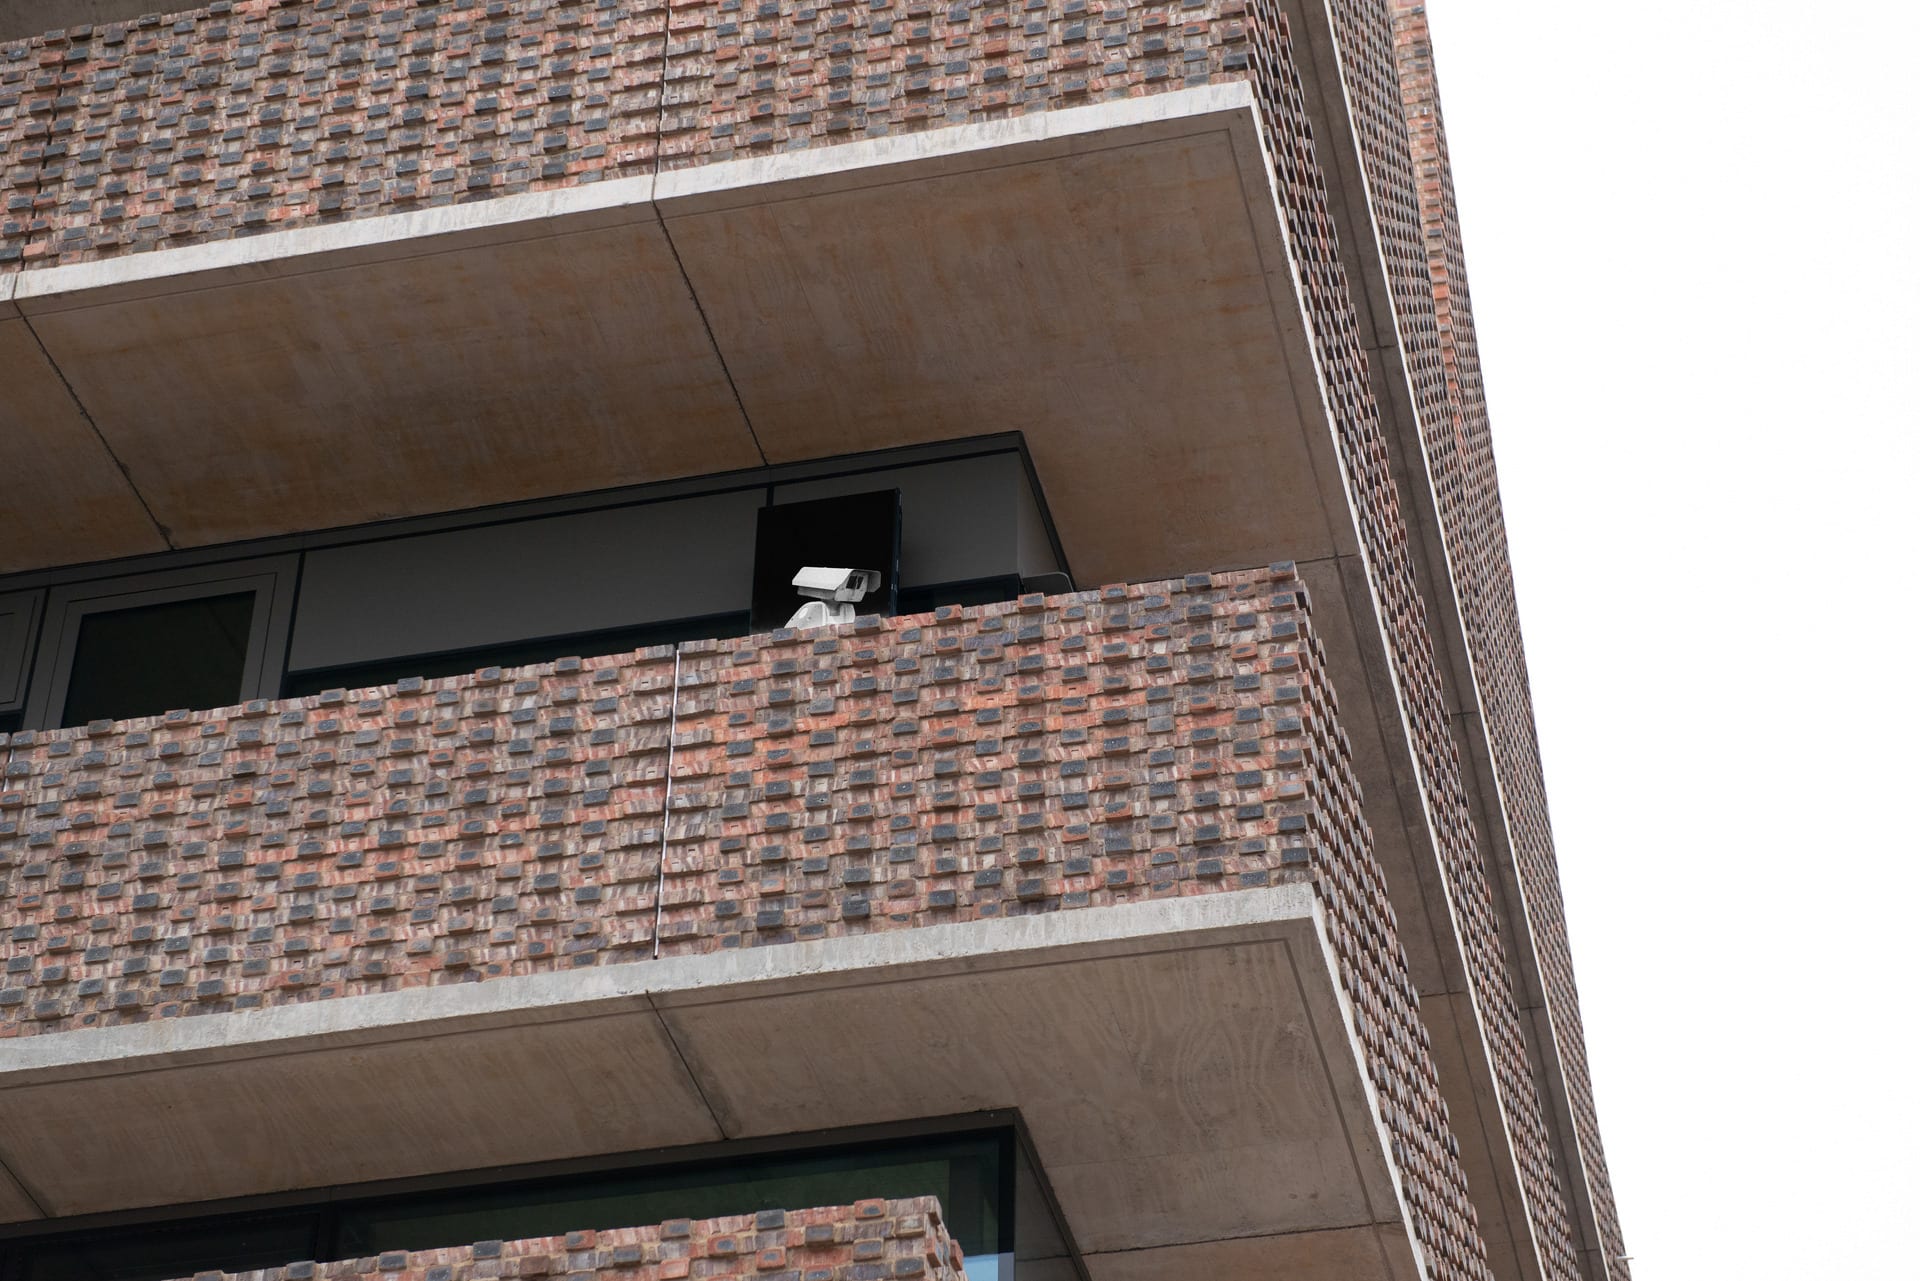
pixel 1187 1069
pixel 52 449
pixel 266 393
pixel 1108 279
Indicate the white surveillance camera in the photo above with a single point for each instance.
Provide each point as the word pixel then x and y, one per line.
pixel 833 592
pixel 824 583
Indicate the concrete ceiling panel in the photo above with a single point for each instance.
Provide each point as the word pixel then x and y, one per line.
pixel 1110 302
pixel 1331 1254
pixel 65 499
pixel 319 392
pixel 1177 1095
pixel 1117 292
pixel 1184 1068
pixel 390 1110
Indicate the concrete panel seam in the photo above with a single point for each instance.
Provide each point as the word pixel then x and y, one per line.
pixel 33 1198
pixel 166 535
pixel 713 341
pixel 686 1067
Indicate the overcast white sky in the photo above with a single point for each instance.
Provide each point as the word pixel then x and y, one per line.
pixel 1691 231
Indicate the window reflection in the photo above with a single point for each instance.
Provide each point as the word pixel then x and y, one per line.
pixel 977 1176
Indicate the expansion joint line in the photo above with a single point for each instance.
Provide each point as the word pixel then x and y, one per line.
pixel 666 233
pixel 666 803
pixel 86 416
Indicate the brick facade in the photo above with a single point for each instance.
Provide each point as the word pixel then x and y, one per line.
pixel 869 1239
pixel 1467 485
pixel 1365 34
pixel 539 843
pixel 324 846
pixel 1055 752
pixel 1052 753
pixel 1147 741
pixel 1341 356
pixel 257 115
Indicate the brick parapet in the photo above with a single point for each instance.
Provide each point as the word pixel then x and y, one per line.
pixel 248 116
pixel 1047 754
pixel 316 847
pixel 1055 752
pixel 895 1239
pixel 1074 751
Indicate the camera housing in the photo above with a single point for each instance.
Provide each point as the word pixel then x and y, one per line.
pixel 833 591
pixel 823 583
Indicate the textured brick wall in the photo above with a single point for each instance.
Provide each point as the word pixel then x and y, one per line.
pixel 250 115
pixel 1467 483
pixel 1154 740
pixel 859 1242
pixel 1341 356
pixel 1055 752
pixel 253 115
pixel 1143 741
pixel 1363 30
pixel 275 852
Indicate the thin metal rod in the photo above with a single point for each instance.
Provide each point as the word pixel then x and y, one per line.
pixel 666 803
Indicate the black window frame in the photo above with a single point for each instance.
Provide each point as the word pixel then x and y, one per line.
pixel 271 580
pixel 325 1208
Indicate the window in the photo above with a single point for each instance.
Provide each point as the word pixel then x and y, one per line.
pixel 19 619
pixel 122 648
pixel 619 640
pixel 855 531
pixel 984 1179
pixel 961 522
pixel 150 659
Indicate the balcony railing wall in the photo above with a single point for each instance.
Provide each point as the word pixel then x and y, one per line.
pixel 255 115
pixel 1042 755
pixel 877 1238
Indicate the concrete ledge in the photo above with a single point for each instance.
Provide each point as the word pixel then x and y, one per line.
pixel 1187 1069
pixel 591 206
pixel 354 242
pixel 326 374
pixel 737 973
pixel 905 157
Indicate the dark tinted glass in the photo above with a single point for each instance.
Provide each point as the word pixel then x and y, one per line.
pixel 170 1250
pixel 973 591
pixel 156 658
pixel 855 531
pixel 963 1173
pixel 389 671
pixel 973 1175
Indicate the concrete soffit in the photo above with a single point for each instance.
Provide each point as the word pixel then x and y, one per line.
pixel 1215 1024
pixel 1311 517
pixel 368 342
